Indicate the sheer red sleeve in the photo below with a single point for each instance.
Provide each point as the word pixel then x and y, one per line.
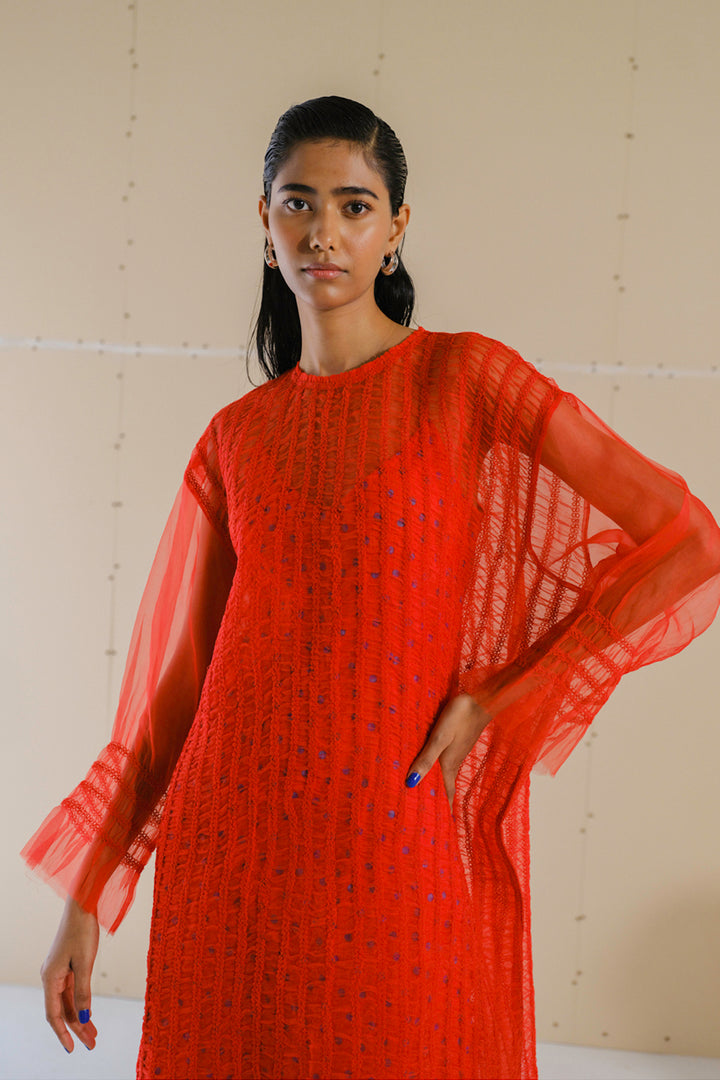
pixel 592 561
pixel 95 844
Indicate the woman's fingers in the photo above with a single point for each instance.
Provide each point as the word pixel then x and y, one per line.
pixel 453 735
pixel 66 975
pixel 442 734
pixel 439 738
pixel 77 1013
pixel 81 1004
pixel 54 987
pixel 61 1013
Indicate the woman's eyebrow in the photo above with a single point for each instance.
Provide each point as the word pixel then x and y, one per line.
pixel 349 190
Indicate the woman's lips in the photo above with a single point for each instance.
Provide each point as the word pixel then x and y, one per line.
pixel 324 272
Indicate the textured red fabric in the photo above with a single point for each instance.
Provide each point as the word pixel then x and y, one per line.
pixel 440 519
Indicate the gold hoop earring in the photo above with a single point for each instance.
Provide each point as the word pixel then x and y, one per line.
pixel 390 267
pixel 270 258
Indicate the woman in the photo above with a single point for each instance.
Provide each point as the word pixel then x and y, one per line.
pixel 398 575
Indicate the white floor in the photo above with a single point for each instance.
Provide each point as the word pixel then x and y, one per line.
pixel 30 1051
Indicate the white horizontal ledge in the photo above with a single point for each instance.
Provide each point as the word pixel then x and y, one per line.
pixel 117 348
pixel 138 348
pixel 643 371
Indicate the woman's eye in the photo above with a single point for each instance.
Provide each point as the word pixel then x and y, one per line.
pixel 356 207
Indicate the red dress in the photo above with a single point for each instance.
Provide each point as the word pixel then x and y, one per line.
pixel 347 553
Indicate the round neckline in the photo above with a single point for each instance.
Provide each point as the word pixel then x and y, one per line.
pixel 361 371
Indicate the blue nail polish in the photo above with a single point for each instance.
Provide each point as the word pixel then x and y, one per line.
pixel 413 779
pixel 66 1049
pixel 84 1015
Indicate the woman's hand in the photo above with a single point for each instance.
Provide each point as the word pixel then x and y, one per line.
pixel 454 733
pixel 66 976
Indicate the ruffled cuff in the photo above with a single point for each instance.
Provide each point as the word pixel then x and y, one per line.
pixel 94 846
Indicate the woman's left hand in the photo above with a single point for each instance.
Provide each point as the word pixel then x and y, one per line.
pixel 453 735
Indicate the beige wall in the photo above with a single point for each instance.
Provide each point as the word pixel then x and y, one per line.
pixel 133 137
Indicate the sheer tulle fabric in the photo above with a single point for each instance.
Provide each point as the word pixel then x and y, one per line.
pixel 95 844
pixel 577 601
pixel 577 598
pixel 442 519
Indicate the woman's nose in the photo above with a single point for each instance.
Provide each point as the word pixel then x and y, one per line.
pixel 323 229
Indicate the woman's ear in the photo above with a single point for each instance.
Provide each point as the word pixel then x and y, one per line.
pixel 264 216
pixel 400 223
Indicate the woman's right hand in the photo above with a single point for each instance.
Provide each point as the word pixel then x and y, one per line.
pixel 66 974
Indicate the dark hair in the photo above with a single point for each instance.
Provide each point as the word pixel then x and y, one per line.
pixel 277 327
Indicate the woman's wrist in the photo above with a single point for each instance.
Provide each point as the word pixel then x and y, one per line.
pixel 76 913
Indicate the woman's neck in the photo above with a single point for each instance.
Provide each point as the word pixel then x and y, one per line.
pixel 338 340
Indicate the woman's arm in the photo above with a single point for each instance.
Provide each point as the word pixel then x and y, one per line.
pixel 94 845
pixel 647 600
pixel 649 505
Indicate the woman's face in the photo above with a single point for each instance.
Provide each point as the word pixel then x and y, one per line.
pixel 315 217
